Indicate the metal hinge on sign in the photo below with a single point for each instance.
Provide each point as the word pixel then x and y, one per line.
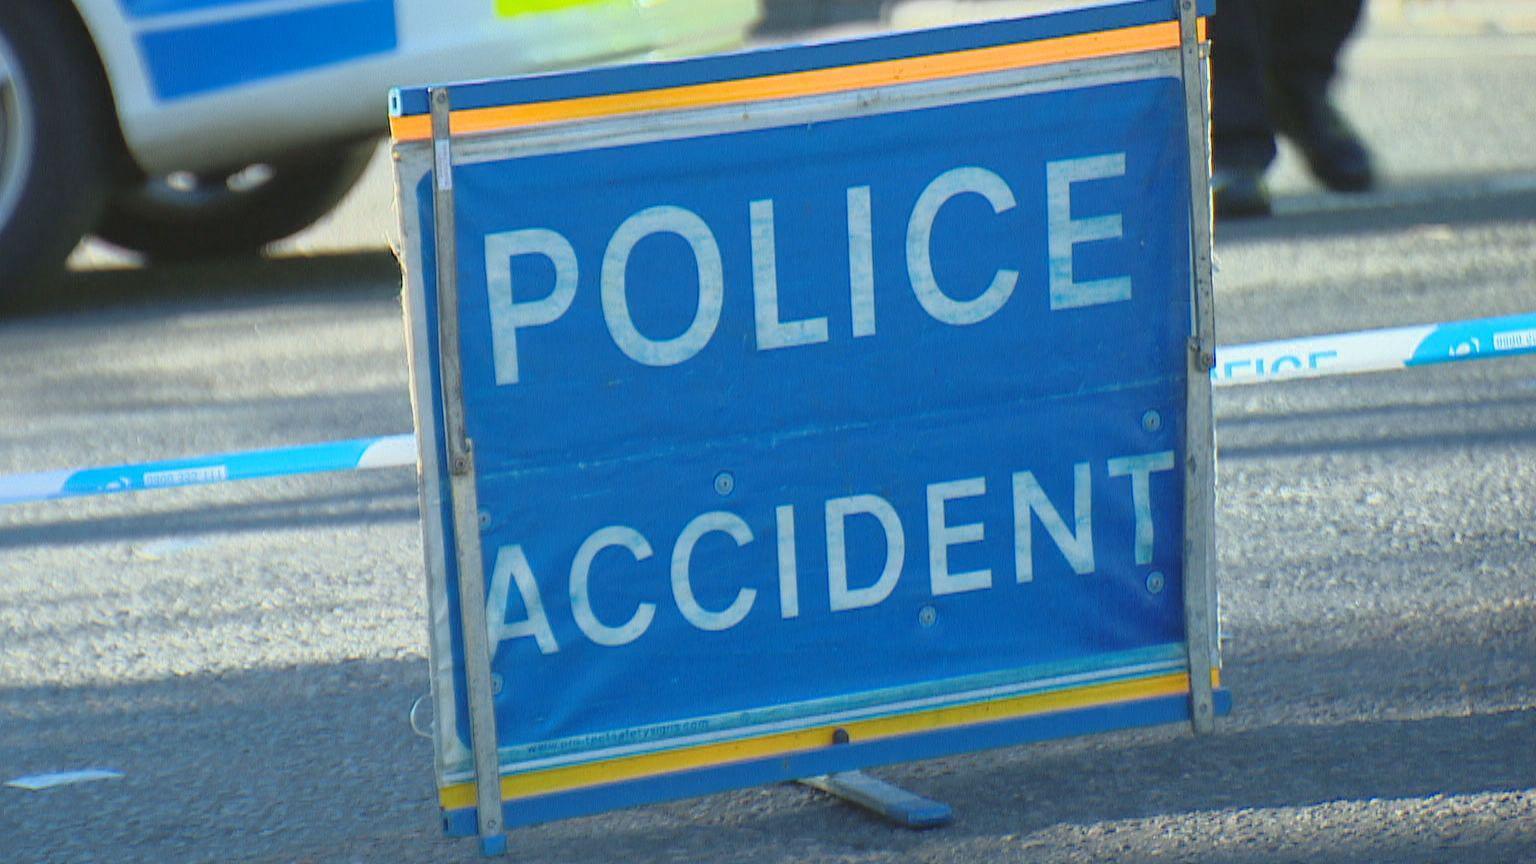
pixel 1204 357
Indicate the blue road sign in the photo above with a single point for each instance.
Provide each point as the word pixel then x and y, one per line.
pixel 820 394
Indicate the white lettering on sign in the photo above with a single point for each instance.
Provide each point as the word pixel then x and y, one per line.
pixel 1030 500
pixel 838 511
pixel 615 537
pixel 846 591
pixel 706 254
pixel 772 332
pixel 942 535
pixel 1140 468
pixel 507 315
pixel 950 184
pixel 682 559
pixel 512 567
pixel 861 261
pixel 789 572
pixel 1064 232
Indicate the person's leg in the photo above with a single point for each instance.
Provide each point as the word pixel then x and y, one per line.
pixel 1307 36
pixel 1242 139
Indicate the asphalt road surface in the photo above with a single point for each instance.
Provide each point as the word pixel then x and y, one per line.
pixel 246 654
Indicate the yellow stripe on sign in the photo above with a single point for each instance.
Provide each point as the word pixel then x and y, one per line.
pixel 461 796
pixel 816 82
pixel 514 8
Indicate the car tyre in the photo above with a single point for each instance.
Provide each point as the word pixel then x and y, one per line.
pixel 226 213
pixel 54 142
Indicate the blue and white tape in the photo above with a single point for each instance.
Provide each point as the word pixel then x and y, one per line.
pixel 1258 363
pixel 1375 350
pixel 356 455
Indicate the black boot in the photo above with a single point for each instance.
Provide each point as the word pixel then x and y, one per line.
pixel 1333 150
pixel 1239 193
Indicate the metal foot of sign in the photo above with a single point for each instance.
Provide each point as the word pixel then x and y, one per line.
pixel 493 846
pixel 889 802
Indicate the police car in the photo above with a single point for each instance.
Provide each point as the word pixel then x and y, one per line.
pixel 185 128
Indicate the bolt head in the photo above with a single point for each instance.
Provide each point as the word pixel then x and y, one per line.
pixel 725 483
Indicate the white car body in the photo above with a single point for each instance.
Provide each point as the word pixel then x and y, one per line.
pixel 207 84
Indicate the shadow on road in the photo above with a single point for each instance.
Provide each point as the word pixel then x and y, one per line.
pixel 318 762
pixel 323 501
pixel 226 282
pixel 1450 200
pixel 1439 414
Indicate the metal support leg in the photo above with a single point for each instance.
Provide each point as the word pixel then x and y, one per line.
pixel 462 485
pixel 889 802
pixel 1200 621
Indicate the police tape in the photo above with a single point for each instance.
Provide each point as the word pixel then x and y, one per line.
pixel 1375 350
pixel 393 451
pixel 1257 363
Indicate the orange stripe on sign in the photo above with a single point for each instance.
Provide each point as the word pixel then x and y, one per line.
pixel 816 82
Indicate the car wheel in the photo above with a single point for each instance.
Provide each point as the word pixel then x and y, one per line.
pixel 186 216
pixel 53 141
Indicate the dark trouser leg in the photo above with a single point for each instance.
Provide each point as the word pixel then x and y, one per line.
pixel 1241 134
pixel 1306 38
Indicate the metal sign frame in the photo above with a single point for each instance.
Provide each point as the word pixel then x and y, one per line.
pixel 453 517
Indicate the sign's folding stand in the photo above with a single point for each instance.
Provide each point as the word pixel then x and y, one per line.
pixel 466 511
pixel 1045 446
pixel 886 800
pixel 889 802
